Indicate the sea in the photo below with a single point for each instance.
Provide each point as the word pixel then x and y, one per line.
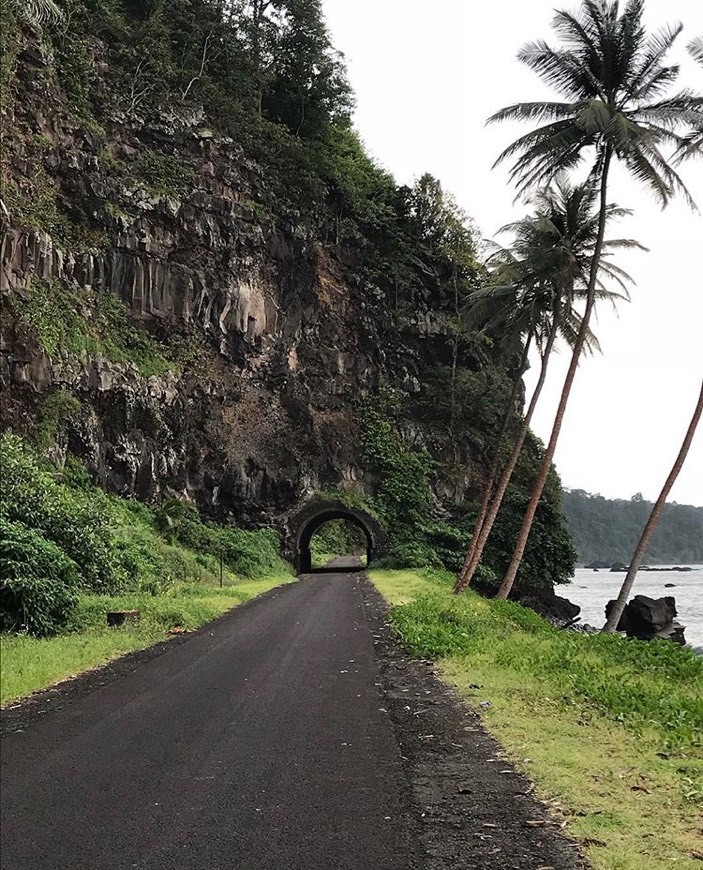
pixel 592 590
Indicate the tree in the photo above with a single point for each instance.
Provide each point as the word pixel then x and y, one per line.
pixel 308 87
pixel 37 12
pixel 447 235
pixel 651 524
pixel 693 146
pixel 539 278
pixel 613 77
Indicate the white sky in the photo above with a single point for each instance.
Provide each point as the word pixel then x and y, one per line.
pixel 426 77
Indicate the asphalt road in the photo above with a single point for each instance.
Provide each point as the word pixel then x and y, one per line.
pixel 259 744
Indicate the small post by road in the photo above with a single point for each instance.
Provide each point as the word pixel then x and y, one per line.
pixel 220 567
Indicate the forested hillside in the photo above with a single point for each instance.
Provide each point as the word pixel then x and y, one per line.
pixel 608 529
pixel 212 295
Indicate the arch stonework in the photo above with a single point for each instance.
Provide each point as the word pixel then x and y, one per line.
pixel 301 525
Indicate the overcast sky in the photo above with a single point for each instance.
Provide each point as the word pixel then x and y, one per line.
pixel 426 76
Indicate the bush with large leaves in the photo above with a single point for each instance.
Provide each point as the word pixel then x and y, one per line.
pixel 76 523
pixel 38 582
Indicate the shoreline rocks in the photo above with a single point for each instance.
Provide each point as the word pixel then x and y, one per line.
pixel 647 618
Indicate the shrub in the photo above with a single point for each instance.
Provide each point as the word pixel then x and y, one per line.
pixel 76 522
pixel 38 582
pixel 247 553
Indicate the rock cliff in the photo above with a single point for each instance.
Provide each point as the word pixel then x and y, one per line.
pixel 200 303
pixel 270 337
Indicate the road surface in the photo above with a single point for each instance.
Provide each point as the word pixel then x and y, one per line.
pixel 259 744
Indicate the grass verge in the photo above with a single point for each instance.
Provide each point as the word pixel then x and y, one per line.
pixel 610 731
pixel 30 663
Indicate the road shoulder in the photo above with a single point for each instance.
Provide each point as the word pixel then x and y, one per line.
pixel 474 809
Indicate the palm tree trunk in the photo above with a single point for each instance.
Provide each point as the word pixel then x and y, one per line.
pixel 526 527
pixel 455 352
pixel 484 531
pixel 493 471
pixel 651 524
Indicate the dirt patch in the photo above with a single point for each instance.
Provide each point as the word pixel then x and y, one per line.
pixel 474 810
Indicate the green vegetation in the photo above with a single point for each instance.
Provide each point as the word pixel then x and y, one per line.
pixel 337 538
pixel 55 414
pixel 610 730
pixel 162 173
pixel 9 44
pixel 62 538
pixel 608 529
pixel 69 320
pixel 403 497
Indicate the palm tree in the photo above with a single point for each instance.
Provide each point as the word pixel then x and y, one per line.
pixel 693 146
pixel 651 524
pixel 539 277
pixel 612 77
pixel 695 49
pixel 37 12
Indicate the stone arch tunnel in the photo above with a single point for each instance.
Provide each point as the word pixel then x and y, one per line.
pixel 302 524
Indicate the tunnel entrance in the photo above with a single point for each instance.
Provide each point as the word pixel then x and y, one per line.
pixel 315 514
pixel 339 545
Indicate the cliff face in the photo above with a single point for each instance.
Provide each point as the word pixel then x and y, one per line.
pixel 234 373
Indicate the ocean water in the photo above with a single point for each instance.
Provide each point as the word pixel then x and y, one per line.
pixel 592 590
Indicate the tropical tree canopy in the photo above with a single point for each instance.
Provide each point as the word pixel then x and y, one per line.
pixel 613 78
pixel 534 285
pixel 546 268
pixel 693 146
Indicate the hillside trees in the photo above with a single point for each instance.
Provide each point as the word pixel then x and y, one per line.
pixel 612 77
pixel 272 56
pixel 607 530
pixel 535 284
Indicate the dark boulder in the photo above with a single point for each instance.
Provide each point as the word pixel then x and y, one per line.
pixel 646 618
pixel 551 606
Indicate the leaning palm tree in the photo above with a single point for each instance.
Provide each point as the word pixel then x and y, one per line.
pixel 613 78
pixel 549 267
pixel 651 524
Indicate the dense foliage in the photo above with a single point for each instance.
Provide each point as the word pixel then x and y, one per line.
pixel 404 500
pixel 59 535
pixel 337 538
pixel 607 530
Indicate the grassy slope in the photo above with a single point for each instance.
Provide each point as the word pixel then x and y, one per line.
pixel 168 567
pixel 31 663
pixel 588 719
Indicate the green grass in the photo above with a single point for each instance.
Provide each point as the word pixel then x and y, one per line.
pixel 30 663
pixel 609 730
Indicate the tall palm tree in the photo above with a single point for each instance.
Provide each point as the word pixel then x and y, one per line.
pixel 613 78
pixel 651 524
pixel 547 268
